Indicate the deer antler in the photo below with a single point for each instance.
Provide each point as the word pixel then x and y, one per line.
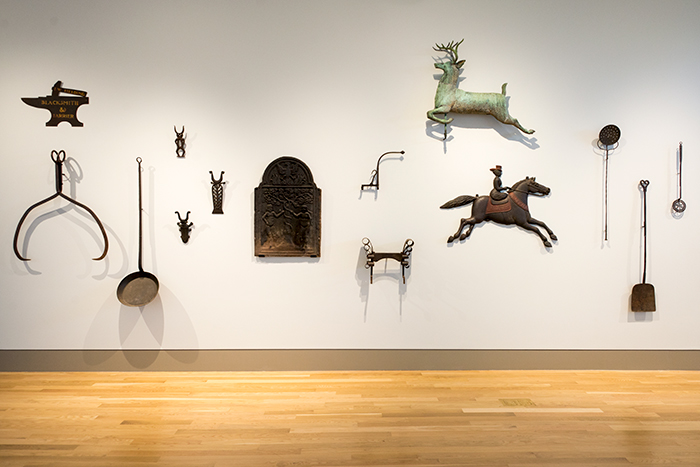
pixel 450 48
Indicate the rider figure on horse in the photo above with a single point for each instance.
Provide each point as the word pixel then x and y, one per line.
pixel 499 191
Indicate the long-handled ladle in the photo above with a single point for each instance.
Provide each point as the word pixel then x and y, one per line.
pixel 679 205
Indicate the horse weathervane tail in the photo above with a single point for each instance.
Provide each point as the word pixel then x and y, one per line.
pixel 448 98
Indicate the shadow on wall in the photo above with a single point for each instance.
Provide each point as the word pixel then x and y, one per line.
pixel 119 329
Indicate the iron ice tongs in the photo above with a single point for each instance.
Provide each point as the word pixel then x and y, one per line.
pixel 58 158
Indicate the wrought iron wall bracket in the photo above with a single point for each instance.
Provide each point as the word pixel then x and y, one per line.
pixel 374 176
pixel 374 257
pixel 58 158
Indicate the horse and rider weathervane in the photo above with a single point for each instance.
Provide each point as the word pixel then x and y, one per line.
pixel 448 98
pixel 504 205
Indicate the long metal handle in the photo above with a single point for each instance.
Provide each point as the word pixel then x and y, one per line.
pixel 680 170
pixel 138 159
pixel 644 184
pixel 606 196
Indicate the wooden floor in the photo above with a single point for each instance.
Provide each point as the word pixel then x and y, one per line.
pixel 471 418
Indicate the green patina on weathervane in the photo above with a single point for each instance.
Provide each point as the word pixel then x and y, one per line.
pixel 450 99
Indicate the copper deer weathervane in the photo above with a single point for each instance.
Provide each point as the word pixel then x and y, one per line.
pixel 448 98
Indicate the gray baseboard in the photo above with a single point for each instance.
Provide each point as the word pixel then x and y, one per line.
pixel 345 360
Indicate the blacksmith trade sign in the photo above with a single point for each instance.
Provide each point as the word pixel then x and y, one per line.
pixel 62 108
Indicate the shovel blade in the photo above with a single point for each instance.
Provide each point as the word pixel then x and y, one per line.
pixel 643 298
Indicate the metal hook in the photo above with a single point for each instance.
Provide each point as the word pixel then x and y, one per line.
pixel 374 180
pixel 58 158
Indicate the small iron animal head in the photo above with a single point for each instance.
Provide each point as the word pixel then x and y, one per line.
pixel 185 227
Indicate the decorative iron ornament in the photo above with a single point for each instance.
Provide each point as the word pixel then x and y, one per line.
pixel 511 209
pixel 217 193
pixel 448 98
pixel 184 226
pixel 62 108
pixel 374 257
pixel 608 141
pixel 374 180
pixel 287 211
pixel 180 141
pixel 58 158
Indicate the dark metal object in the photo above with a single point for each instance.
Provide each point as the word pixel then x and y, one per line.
pixel 512 210
pixel 184 226
pixel 608 140
pixel 62 108
pixel 609 135
pixel 180 141
pixel 373 257
pixel 287 211
pixel 58 158
pixel 679 205
pixel 217 193
pixel 374 180
pixel 138 288
pixel 643 297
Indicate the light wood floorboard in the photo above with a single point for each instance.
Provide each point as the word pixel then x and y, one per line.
pixel 376 418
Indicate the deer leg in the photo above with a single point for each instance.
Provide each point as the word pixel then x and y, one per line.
pixel 517 124
pixel 443 109
pixel 503 116
pixel 532 220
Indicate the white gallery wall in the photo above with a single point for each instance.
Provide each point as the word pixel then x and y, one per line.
pixel 336 84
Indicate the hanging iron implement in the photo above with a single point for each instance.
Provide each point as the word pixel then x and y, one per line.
pixel 608 141
pixel 679 205
pixel 374 180
pixel 217 193
pixel 180 142
pixel 643 296
pixel 185 226
pixel 58 158
pixel 373 257
pixel 62 108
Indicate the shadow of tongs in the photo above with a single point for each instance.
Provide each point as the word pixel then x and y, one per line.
pixel 58 158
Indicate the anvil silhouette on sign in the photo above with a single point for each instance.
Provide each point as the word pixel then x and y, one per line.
pixel 62 108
